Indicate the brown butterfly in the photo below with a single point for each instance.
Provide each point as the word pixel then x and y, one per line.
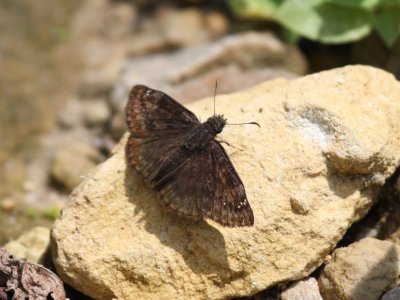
pixel 179 157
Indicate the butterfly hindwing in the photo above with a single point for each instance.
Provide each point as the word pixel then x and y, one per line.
pixel 207 185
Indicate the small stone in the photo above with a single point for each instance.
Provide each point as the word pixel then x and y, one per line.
pixel 393 294
pixel 118 127
pixel 252 58
pixel 172 22
pixel 306 289
pixel 71 115
pixel 118 19
pixel 104 63
pixel 96 112
pixel 71 162
pixel 327 259
pixel 164 31
pixel 364 270
pixel 29 185
pixel 32 245
pixel 7 204
pixel 299 206
pixel 216 23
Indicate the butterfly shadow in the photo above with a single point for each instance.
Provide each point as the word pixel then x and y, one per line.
pixel 201 245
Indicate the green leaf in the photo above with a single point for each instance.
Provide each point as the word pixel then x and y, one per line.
pixel 389 3
pixel 255 9
pixel 323 21
pixel 364 4
pixel 290 36
pixel 387 24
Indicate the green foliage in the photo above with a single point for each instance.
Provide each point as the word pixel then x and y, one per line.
pixel 51 213
pixel 328 21
pixel 255 9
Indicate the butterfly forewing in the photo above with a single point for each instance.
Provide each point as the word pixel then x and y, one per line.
pixel 150 112
pixel 195 182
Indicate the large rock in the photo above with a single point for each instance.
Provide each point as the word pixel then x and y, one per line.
pixel 362 271
pixel 326 143
pixel 239 60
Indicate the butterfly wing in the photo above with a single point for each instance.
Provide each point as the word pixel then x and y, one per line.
pixel 196 184
pixel 157 124
pixel 151 113
pixel 207 185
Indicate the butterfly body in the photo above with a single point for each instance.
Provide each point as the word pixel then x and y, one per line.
pixel 179 157
pixel 201 135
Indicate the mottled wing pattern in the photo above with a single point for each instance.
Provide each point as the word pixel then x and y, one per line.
pixel 151 113
pixel 157 124
pixel 207 185
pixel 195 183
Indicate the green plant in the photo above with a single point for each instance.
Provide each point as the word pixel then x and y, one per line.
pixel 328 21
pixel 51 213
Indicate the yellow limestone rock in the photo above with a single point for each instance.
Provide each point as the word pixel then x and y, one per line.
pixel 326 143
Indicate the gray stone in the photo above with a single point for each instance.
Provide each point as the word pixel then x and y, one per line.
pixel 247 51
pixel 362 271
pixel 393 294
pixel 164 30
pixel 71 114
pixel 306 289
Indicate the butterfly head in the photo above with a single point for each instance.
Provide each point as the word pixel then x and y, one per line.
pixel 217 123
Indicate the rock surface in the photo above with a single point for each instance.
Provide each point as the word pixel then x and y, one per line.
pixel 393 294
pixel 362 271
pixel 306 289
pixel 71 162
pixel 32 245
pixel 164 30
pixel 326 142
pixel 190 73
pixel 263 54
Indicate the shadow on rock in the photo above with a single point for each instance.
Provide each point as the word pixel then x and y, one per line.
pixel 201 245
pixel 381 277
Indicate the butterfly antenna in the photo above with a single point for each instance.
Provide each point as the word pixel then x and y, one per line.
pixel 249 123
pixel 215 92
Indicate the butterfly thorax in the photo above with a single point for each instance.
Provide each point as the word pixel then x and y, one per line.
pixel 203 133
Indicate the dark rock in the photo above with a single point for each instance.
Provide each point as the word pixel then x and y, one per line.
pixel 24 280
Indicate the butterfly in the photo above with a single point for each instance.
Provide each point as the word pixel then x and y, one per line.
pixel 180 159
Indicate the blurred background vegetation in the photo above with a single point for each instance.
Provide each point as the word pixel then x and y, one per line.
pixel 327 21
